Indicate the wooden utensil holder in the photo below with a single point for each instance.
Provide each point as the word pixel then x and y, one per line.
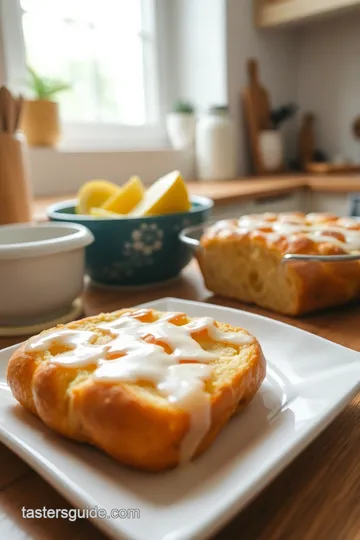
pixel 15 198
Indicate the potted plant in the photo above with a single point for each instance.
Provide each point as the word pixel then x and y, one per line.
pixel 181 124
pixel 40 119
pixel 271 142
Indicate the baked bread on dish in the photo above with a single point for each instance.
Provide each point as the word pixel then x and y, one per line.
pixel 243 259
pixel 151 389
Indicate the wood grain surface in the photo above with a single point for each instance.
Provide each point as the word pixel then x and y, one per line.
pixel 316 498
pixel 246 189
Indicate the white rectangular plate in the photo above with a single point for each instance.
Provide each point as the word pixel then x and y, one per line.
pixel 309 381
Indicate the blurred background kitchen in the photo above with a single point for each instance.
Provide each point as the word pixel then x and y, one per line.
pixel 229 89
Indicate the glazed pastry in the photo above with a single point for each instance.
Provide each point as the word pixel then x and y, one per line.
pixel 151 389
pixel 243 259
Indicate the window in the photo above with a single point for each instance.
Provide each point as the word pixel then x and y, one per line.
pixel 106 49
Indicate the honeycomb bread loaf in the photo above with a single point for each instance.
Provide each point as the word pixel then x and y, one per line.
pixel 151 389
pixel 243 259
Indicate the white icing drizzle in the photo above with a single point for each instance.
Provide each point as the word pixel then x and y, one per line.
pixel 315 227
pixel 193 399
pixel 207 323
pixel 170 315
pixel 224 233
pixel 68 338
pixel 130 330
pixel 348 222
pixel 321 237
pixel 291 218
pixel 127 356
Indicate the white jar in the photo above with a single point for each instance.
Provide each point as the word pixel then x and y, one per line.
pixel 215 146
pixel 271 149
pixel 181 130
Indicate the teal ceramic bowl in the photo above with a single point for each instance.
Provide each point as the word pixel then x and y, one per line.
pixel 135 251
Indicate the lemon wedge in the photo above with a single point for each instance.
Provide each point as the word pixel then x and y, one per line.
pixel 101 213
pixel 167 195
pixel 123 201
pixel 94 194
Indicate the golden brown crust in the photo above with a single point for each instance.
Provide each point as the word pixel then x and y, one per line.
pixel 245 262
pixel 122 418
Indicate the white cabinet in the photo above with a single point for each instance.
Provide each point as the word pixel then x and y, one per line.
pixel 336 203
pixel 301 201
pixel 287 203
pixel 293 202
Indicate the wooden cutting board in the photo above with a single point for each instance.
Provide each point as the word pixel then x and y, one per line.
pixel 259 97
pixel 257 112
pixel 306 140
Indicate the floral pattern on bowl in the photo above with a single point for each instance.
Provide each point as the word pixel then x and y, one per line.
pixel 146 239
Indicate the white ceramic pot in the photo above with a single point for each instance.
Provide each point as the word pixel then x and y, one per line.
pixel 271 149
pixel 41 270
pixel 215 146
pixel 181 130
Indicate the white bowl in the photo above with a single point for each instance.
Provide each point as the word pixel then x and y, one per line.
pixel 41 270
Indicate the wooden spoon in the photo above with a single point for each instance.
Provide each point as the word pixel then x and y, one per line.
pixel 2 112
pixel 18 111
pixel 8 110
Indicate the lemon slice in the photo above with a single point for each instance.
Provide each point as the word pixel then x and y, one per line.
pixel 166 196
pixel 123 201
pixel 101 213
pixel 94 194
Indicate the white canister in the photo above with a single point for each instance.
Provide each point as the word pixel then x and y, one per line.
pixel 271 149
pixel 215 146
pixel 181 130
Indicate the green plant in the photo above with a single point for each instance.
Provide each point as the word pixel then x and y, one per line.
pixel 44 87
pixel 282 114
pixel 184 107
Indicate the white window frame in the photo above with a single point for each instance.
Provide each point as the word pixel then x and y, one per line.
pixel 100 136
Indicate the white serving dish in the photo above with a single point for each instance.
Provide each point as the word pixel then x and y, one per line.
pixel 309 381
pixel 41 270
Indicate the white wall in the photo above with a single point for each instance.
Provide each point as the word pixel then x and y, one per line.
pixel 2 58
pixel 329 80
pixel 62 173
pixel 276 52
pixel 199 42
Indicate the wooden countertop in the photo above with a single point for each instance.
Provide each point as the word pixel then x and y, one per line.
pixel 246 189
pixel 315 498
